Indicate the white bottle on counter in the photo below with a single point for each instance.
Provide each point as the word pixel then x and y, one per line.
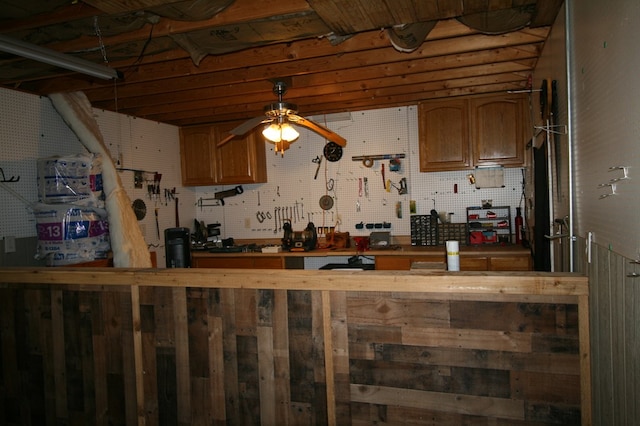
pixel 453 255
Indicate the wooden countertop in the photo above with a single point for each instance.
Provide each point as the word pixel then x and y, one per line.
pixel 499 284
pixel 402 250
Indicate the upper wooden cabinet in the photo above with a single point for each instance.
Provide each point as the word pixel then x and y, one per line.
pixel 197 146
pixel 460 134
pixel 497 125
pixel 444 135
pixel 242 160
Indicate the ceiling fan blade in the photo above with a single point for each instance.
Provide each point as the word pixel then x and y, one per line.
pixel 243 129
pixel 321 130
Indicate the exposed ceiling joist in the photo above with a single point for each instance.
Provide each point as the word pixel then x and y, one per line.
pixel 218 65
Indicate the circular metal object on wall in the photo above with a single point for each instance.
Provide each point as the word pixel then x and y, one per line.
pixel 139 209
pixel 326 202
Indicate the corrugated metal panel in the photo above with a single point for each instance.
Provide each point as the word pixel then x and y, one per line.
pixel 615 335
pixel 606 110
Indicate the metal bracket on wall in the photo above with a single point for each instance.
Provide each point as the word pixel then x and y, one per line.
pixel 216 202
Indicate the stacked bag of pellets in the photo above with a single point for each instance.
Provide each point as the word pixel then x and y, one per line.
pixel 70 217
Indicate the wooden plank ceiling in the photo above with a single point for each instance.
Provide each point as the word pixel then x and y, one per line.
pixel 206 61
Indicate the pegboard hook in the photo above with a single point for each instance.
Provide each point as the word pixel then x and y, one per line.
pixel 11 179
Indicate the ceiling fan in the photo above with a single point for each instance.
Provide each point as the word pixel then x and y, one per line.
pixel 280 132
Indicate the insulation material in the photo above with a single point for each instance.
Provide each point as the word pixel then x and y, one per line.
pixel 69 234
pixel 128 244
pixel 73 179
pixel 489 177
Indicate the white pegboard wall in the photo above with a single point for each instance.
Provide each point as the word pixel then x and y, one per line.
pixel 151 146
pixel 32 129
pixel 291 180
pixel 377 132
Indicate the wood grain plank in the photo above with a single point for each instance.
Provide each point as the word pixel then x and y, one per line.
pixel 552 363
pixel 138 357
pixel 248 380
pixel 180 321
pixel 341 354
pixel 268 407
pixel 328 358
pixel 467 339
pixel 392 311
pixel 546 388
pixel 129 376
pixel 163 316
pixel 480 283
pixel 523 317
pixel 217 370
pixel 10 377
pixel 87 356
pixel 111 312
pixel 586 390
pixel 150 364
pixel 246 318
pixel 230 353
pixel 57 328
pixel 46 344
pixel 464 404
pixel 281 357
pixel 318 362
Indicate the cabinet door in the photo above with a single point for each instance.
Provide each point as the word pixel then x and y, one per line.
pixel 473 263
pixel 510 263
pixel 197 155
pixel 497 130
pixel 444 135
pixel 241 160
pixel 403 263
pixel 393 263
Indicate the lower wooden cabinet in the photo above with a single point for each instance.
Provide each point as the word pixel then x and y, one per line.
pixel 516 262
pixel 239 262
pixel 474 263
pixel 403 263
pixel 510 263
pixel 470 262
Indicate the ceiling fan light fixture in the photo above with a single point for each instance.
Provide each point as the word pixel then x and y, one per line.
pixel 277 132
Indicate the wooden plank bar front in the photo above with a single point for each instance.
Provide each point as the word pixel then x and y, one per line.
pixel 215 346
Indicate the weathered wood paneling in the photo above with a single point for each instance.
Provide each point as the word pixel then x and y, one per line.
pixel 276 356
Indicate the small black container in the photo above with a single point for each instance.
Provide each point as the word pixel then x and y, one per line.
pixel 177 247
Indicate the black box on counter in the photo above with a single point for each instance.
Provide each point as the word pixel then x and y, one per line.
pixel 451 232
pixel 424 230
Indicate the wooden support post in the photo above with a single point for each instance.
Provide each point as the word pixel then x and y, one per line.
pixel 137 353
pixel 183 372
pixel 328 358
pixel 585 359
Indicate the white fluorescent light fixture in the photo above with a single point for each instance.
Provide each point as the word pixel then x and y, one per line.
pixel 51 57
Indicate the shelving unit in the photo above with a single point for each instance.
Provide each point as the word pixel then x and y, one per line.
pixel 489 225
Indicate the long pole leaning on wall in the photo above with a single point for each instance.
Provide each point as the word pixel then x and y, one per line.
pixel 569 67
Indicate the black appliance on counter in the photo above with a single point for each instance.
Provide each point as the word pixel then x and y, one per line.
pixel 177 247
pixel 299 240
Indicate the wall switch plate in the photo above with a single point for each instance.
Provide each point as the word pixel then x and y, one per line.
pixel 9 244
